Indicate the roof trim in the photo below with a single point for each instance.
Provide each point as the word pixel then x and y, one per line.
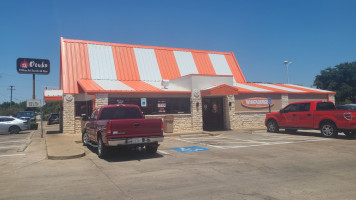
pixel 143 46
pixel 220 90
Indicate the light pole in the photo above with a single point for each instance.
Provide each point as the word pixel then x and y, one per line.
pixel 287 63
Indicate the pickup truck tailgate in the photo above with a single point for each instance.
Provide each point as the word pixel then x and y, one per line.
pixel 136 127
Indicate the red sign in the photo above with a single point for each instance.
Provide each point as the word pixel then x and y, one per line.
pixel 256 102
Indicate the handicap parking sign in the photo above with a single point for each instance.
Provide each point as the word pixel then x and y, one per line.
pixel 190 149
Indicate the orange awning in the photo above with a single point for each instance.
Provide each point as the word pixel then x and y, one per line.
pixel 220 90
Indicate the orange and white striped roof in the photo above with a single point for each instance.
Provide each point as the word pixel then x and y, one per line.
pixel 277 88
pixel 108 67
pixel 99 67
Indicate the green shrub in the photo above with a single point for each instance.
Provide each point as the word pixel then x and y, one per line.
pixel 33 126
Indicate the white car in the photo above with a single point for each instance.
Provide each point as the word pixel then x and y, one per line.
pixel 12 125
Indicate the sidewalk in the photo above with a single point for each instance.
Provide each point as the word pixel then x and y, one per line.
pixel 61 146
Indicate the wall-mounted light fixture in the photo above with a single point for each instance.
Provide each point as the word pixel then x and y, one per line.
pixel 197 104
pixel 230 104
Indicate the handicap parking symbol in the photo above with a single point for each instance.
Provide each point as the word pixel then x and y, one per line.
pixel 190 149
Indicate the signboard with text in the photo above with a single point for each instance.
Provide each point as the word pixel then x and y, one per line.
pixel 32 66
pixel 33 103
pixel 257 102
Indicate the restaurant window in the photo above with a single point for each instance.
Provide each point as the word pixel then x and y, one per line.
pixel 157 106
pixel 83 107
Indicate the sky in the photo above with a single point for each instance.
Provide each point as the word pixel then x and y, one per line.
pixel 312 34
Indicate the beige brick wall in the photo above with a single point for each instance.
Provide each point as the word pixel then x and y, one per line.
pixel 68 114
pixel 248 120
pixel 197 113
pixel 182 123
pixel 229 111
pixel 61 117
pixel 285 100
pixel 332 97
pixel 101 100
pixel 78 125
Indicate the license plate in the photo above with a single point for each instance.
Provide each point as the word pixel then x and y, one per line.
pixel 136 140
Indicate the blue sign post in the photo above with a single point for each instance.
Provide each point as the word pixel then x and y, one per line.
pixel 269 104
pixel 143 102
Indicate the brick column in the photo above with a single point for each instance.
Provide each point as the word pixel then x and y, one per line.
pixel 229 111
pixel 101 100
pixel 61 117
pixel 332 97
pixel 197 114
pixel 68 114
pixel 285 100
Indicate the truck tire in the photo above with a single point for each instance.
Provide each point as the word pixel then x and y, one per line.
pixel 102 150
pixel 85 138
pixel 272 126
pixel 328 129
pixel 151 149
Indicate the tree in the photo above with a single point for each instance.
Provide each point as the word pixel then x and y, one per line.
pixel 15 108
pixel 341 79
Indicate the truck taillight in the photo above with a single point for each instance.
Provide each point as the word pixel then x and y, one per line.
pixel 108 128
pixel 348 116
pixel 161 125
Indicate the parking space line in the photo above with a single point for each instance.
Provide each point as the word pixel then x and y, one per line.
pixel 9 155
pixel 230 143
pixel 13 141
pixel 9 147
pixel 163 152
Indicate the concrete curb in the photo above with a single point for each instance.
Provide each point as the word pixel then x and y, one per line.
pixel 23 147
pixel 78 155
pixel 62 147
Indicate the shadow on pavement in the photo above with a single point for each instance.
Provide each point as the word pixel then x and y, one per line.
pixel 315 134
pixel 54 132
pixel 125 154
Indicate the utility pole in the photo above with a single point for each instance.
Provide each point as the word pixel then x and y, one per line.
pixel 11 88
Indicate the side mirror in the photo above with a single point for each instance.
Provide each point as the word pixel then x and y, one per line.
pixel 282 111
pixel 84 117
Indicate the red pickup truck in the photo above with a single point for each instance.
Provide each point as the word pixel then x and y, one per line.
pixel 121 125
pixel 313 115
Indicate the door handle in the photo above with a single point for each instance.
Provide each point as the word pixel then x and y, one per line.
pixel 308 115
pixel 136 124
pixel 294 115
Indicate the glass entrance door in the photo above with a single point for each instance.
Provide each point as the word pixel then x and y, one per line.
pixel 213 116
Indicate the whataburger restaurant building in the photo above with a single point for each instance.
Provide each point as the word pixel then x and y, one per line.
pixel 192 90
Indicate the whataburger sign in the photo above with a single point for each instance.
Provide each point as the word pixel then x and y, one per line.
pixel 256 102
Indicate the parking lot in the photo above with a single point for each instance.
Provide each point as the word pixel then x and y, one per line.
pixel 260 138
pixel 13 144
pixel 233 165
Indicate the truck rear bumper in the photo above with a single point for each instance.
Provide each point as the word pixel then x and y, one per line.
pixel 136 140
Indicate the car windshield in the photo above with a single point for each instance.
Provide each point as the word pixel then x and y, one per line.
pixel 25 114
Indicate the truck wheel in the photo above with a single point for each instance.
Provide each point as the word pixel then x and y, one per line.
pixel 328 129
pixel 102 150
pixel 85 139
pixel 272 126
pixel 151 149
pixel 14 130
pixel 349 134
